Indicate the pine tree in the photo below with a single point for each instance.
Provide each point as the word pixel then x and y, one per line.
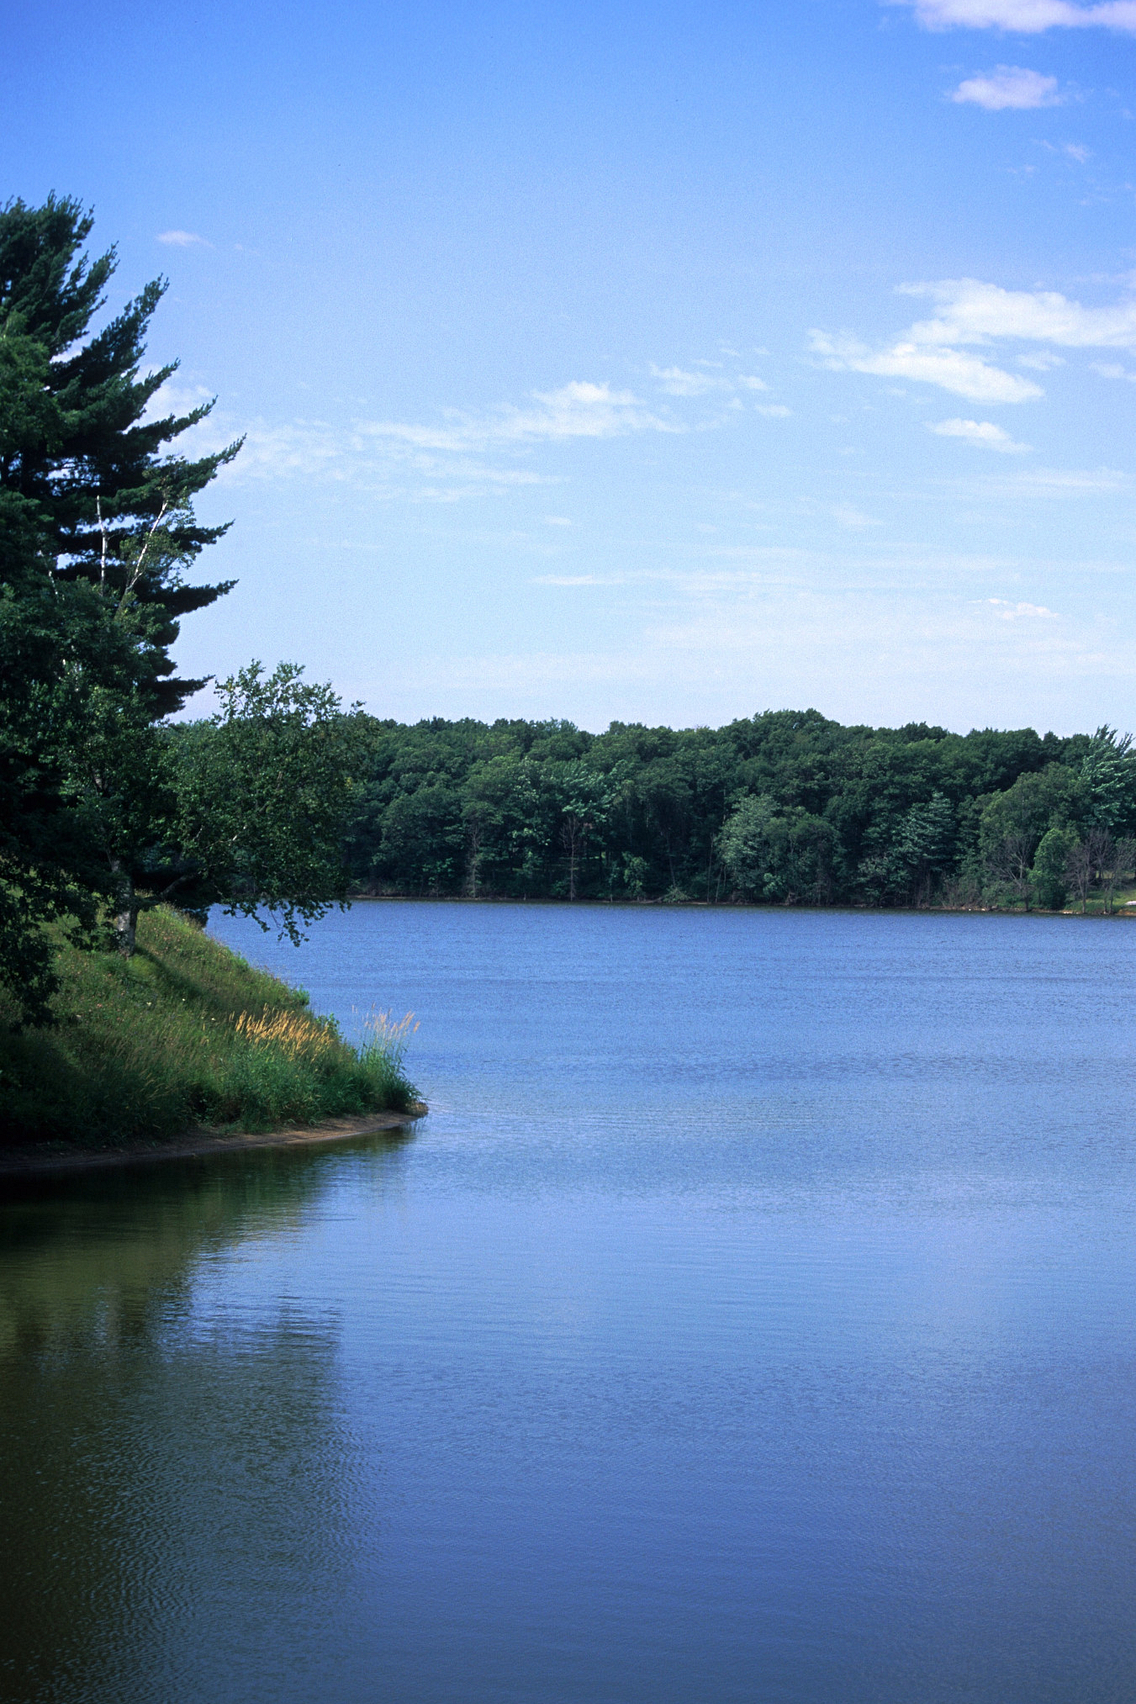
pixel 96 533
pixel 79 464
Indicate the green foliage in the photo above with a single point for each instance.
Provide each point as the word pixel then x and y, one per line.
pixel 1108 779
pixel 1014 822
pixel 96 533
pixel 787 807
pixel 776 854
pixel 1049 873
pixel 63 653
pixel 77 456
pixel 180 1034
pixel 261 795
pixel 103 807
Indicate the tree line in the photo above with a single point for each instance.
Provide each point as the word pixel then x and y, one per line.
pixel 782 808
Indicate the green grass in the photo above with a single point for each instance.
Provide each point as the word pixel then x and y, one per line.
pixel 184 1033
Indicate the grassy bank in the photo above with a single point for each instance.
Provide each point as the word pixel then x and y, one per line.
pixel 184 1033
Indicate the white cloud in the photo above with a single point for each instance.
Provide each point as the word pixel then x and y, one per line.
pixel 577 410
pixel 974 312
pixel 173 398
pixel 1023 17
pixel 183 239
pixel 772 410
pixel 451 458
pixel 572 580
pixel 1061 482
pixel 316 450
pixel 1008 86
pixel 952 369
pixel 1008 611
pixel 1112 370
pixel 971 312
pixel 983 433
pixel 676 382
pixel 429 463
pixel 557 521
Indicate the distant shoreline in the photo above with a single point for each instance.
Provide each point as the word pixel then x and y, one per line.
pixel 591 903
pixel 56 1160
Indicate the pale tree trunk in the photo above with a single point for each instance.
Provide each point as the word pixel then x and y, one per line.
pixel 474 859
pixel 126 916
pixel 570 836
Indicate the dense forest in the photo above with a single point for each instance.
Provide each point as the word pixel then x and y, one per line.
pixel 784 808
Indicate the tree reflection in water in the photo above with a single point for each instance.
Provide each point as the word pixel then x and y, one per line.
pixel 161 1455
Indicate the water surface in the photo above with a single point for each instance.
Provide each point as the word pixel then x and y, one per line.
pixel 752 1319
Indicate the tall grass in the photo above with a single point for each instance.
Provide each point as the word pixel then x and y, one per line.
pixel 186 1033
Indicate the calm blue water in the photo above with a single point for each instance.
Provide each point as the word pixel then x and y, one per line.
pixel 752 1319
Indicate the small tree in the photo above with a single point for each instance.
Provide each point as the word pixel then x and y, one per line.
pixel 1108 775
pixel 1086 860
pixel 1008 867
pixel 1121 864
pixel 263 792
pixel 583 799
pixel 777 854
pixel 924 845
pixel 1049 874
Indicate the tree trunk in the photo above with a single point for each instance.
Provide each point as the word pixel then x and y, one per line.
pixel 572 838
pixel 126 916
pixel 474 859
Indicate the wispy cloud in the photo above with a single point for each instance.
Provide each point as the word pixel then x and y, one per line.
pixel 454 455
pixel 1022 17
pixel 183 239
pixel 580 409
pixel 940 351
pixel 709 379
pixel 971 311
pixel 1060 482
pixel 573 580
pixel 319 451
pixel 459 456
pixel 1007 611
pixel 854 519
pixel 1008 86
pixel 983 433
pixel 675 381
pixel 952 370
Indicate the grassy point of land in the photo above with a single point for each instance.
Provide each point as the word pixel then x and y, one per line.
pixel 184 1034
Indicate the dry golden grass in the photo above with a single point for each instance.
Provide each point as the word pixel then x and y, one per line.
pixel 291 1032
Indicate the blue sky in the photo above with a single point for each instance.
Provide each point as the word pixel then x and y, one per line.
pixel 656 363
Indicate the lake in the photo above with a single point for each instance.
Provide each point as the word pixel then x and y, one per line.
pixel 752 1319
